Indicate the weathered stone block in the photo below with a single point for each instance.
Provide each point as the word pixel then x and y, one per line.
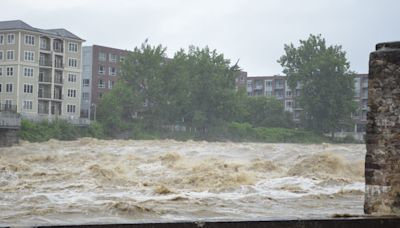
pixel 382 165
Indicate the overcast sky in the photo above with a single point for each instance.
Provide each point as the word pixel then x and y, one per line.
pixel 253 31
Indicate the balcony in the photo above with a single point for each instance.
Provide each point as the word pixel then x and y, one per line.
pixel 258 86
pixel 58 78
pixel 43 107
pixel 45 60
pixel 45 95
pixel 58 46
pixel 44 78
pixel 8 108
pixel 364 84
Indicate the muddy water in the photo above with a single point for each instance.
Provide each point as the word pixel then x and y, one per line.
pixel 99 181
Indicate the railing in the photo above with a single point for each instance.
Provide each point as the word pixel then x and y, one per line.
pixel 58 65
pixel 45 78
pixel 58 96
pixel 258 87
pixel 8 108
pixel 58 80
pixel 45 63
pixel 44 95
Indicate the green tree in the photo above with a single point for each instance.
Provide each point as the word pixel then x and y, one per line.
pixel 327 83
pixel 267 112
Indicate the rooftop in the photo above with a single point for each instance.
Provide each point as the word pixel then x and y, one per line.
pixel 18 24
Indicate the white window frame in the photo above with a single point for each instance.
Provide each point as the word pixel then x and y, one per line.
pixel 73 62
pixel 27 104
pixel 29 40
pixel 13 55
pixel 71 108
pixel 103 85
pixel 112 57
pixel 28 88
pixel 71 93
pixel 72 47
pixel 8 38
pixel 28 71
pixel 112 73
pixel 10 71
pixel 72 77
pixel 1 71
pixel 101 56
pixel 2 39
pixel 110 84
pixel 1 55
pixel 83 82
pixel 9 88
pixel 29 56
pixel 102 72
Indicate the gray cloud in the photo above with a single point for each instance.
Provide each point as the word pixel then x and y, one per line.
pixel 252 31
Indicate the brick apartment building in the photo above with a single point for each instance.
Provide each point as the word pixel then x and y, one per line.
pixel 40 72
pixel 276 86
pixel 101 70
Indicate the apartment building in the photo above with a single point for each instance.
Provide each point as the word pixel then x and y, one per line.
pixel 276 86
pixel 40 72
pixel 101 70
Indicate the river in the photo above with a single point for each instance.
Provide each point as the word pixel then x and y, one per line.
pixel 92 181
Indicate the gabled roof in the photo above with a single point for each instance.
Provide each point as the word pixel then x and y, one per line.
pixel 64 33
pixel 18 24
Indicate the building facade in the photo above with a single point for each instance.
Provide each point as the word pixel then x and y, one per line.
pixel 40 72
pixel 276 86
pixel 101 70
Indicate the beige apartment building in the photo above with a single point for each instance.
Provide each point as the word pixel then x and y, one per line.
pixel 40 72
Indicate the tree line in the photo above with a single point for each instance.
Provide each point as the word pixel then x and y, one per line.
pixel 196 88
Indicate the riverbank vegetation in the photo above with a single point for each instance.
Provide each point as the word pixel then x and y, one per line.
pixel 195 95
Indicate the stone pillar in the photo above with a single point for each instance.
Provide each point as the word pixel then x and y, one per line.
pixel 382 163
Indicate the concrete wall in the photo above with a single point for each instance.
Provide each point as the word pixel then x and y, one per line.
pixel 382 166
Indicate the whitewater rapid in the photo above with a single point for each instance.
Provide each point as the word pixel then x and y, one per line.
pixel 91 181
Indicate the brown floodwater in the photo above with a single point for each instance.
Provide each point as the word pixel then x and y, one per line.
pixel 127 181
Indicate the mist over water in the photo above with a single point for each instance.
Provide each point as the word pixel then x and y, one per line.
pixel 116 181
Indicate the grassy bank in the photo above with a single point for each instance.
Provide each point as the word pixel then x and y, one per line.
pixel 237 132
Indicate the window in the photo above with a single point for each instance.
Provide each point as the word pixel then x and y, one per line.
pixel 10 55
pixel 85 96
pixel 102 56
pixel 86 82
pixel 110 84
pixel 101 69
pixel 268 93
pixel 112 57
pixel 27 105
pixel 100 95
pixel 1 39
pixel 101 84
pixel 43 43
pixel 122 59
pixel 288 93
pixel 28 72
pixel 10 38
pixel 1 71
pixel 112 71
pixel 29 56
pixel 9 88
pixel 72 62
pixel 10 71
pixel 268 83
pixel 71 77
pixel 1 55
pixel 71 108
pixel 71 93
pixel 0 88
pixel 73 47
pixel 29 39
pixel 28 88
pixel 8 103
